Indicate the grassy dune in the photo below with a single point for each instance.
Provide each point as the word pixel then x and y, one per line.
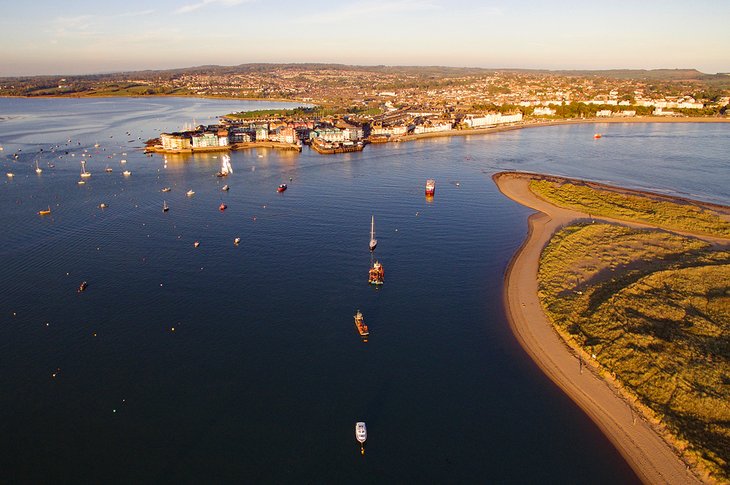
pixel 655 210
pixel 654 309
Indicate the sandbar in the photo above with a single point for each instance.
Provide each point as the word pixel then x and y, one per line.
pixel 640 442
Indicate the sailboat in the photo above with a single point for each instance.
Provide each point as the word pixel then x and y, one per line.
pixel 84 173
pixel 226 167
pixel 373 241
pixel 38 169
pixel 165 207
pixel 361 435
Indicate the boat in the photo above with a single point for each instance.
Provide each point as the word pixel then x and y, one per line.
pixel 373 241
pixel 222 207
pixel 165 207
pixel 190 193
pixel 196 244
pixel 81 182
pixel 84 173
pixel 166 189
pixel 225 188
pixel 281 188
pixel 44 212
pixel 10 174
pixel 122 161
pixel 82 286
pixel 430 187
pixel 226 167
pixel 108 169
pixel 376 274
pixel 38 169
pixel 237 241
pixel 103 206
pixel 126 173
pixel 361 435
pixel 597 135
pixel 360 324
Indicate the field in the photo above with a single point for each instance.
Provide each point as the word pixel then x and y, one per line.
pixel 659 211
pixel 652 309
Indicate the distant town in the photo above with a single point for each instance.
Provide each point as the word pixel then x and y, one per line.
pixel 345 107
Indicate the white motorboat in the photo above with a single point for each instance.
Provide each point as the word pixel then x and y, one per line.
pixel 190 193
pixel 361 434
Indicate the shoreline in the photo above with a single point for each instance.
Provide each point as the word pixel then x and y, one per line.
pixel 643 442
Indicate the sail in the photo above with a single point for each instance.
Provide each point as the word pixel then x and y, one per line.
pixel 226 167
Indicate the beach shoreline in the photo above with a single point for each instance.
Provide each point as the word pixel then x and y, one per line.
pixel 643 442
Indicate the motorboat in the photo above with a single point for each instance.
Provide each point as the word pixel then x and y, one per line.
pixel 82 286
pixel 225 188
pixel 196 244
pixel 126 173
pixel 44 212
pixel 222 207
pixel 237 241
pixel 361 435
pixel 281 188
pixel 103 206
pixel 190 193
pixel 166 189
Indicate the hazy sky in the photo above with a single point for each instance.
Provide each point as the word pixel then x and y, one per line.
pixel 89 36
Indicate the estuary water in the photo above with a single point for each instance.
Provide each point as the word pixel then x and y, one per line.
pixel 234 364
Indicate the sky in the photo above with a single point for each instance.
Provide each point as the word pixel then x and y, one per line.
pixel 91 36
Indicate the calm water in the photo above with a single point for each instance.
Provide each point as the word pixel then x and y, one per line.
pixel 264 375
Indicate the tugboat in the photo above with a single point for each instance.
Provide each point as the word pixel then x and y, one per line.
pixel 360 324
pixel 82 286
pixel 376 274
pixel 361 435
pixel 281 188
pixel 222 207
pixel 430 187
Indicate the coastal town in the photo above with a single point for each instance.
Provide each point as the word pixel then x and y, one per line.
pixel 346 107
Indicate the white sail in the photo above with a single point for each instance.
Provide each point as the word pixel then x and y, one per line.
pixel 226 167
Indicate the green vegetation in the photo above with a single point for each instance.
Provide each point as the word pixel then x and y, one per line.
pixel 300 112
pixel 653 309
pixel 651 210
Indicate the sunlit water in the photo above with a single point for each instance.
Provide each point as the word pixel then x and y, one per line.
pixel 264 375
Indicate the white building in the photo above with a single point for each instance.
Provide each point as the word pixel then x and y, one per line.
pixel 543 111
pixel 433 127
pixel 491 119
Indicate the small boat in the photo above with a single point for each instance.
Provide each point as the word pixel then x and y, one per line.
pixel 84 173
pixel 373 241
pixel 82 286
pixel 165 207
pixel 360 324
pixel 190 193
pixel 226 167
pixel 281 188
pixel 376 274
pixel 237 241
pixel 196 244
pixel 222 207
pixel 108 170
pixel 44 212
pixel 126 173
pixel 430 187
pixel 225 188
pixel 10 174
pixel 38 169
pixel 122 161
pixel 96 145
pixel 103 206
pixel 597 135
pixel 81 182
pixel 166 189
pixel 361 435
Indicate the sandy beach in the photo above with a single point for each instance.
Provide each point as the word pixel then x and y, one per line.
pixel 640 442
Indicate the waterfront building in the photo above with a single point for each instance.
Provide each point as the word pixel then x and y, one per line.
pixel 473 121
pixel 543 111
pixel 262 133
pixel 328 134
pixel 433 127
pixel 175 141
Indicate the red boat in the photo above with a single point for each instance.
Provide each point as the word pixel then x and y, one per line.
pixel 360 324
pixel 376 274
pixel 281 188
pixel 430 187
pixel 222 207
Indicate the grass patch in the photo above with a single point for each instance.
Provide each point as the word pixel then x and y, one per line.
pixel 679 216
pixel 654 308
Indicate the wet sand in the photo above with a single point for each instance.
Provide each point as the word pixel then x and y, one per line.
pixel 653 459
